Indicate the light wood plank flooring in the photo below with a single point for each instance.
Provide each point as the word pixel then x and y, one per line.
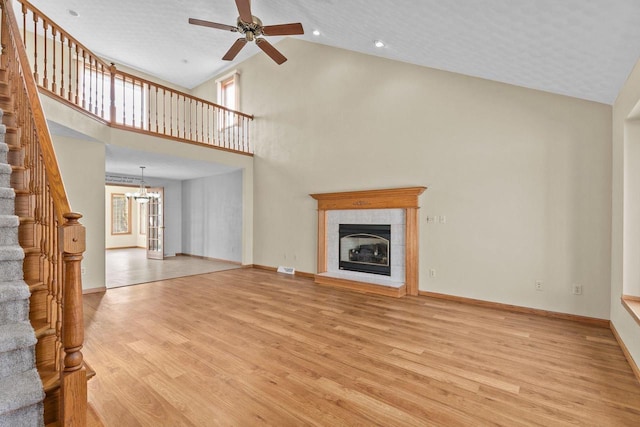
pixel 131 267
pixel 247 347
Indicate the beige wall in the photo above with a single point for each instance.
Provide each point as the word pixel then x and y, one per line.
pixel 523 177
pixel 625 250
pixel 82 167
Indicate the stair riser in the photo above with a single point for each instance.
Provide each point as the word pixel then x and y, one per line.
pixel 19 360
pixel 11 138
pixel 51 406
pixel 25 205
pixel 6 104
pixel 13 311
pixel 38 305
pixel 27 416
pixel 31 266
pixel 20 179
pixel 26 234
pixel 15 157
pixel 9 119
pixel 8 236
pixel 46 350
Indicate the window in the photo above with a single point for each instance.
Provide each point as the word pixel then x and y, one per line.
pixel 228 91
pixel 120 218
pixel 228 97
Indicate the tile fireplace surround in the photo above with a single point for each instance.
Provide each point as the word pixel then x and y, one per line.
pixel 397 207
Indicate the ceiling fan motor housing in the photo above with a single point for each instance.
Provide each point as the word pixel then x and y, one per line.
pixel 250 30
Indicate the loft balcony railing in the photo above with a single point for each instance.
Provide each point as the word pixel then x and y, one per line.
pixel 66 70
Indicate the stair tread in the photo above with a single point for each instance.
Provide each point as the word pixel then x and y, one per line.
pixel 20 390
pixel 42 328
pixel 36 285
pixel 16 335
pixel 51 377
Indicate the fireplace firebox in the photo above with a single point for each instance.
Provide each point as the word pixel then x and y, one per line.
pixel 365 248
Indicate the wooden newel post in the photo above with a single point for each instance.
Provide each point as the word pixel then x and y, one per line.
pixel 73 390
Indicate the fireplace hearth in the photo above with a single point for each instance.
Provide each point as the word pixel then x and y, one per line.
pixel 365 248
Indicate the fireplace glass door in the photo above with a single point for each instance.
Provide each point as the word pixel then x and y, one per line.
pixel 365 248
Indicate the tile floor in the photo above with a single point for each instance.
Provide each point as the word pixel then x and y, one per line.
pixel 131 267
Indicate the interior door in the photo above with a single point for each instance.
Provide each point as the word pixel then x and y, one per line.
pixel 155 225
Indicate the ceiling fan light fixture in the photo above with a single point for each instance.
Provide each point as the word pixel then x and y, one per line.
pixel 252 29
pixel 378 43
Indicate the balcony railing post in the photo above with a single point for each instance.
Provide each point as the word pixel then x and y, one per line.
pixel 112 94
pixel 73 387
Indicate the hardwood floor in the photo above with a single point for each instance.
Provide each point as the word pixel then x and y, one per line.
pixel 248 347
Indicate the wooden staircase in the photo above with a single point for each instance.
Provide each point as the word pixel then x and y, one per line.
pixel 49 233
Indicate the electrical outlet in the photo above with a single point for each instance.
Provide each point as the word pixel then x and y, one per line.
pixel 429 219
pixel 443 219
pixel 82 271
pixel 539 285
pixel 432 272
pixel 577 289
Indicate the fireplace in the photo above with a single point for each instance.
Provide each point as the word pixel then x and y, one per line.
pixel 397 207
pixel 365 248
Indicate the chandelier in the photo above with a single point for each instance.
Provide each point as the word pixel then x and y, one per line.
pixel 142 195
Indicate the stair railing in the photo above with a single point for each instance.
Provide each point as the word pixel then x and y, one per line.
pixel 59 235
pixel 66 70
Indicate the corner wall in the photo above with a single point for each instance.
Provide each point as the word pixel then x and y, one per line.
pixel 522 177
pixel 622 208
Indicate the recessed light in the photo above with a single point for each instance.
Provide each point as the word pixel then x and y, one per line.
pixel 316 32
pixel 185 61
pixel 73 13
pixel 378 43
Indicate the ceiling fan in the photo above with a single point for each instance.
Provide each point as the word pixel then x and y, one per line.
pixel 251 27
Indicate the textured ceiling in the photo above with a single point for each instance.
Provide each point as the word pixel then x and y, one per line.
pixel 580 48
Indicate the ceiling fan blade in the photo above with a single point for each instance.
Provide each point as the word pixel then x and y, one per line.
pixel 271 51
pixel 212 24
pixel 244 9
pixel 283 29
pixel 235 49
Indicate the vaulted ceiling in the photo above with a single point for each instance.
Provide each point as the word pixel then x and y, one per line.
pixel 580 48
